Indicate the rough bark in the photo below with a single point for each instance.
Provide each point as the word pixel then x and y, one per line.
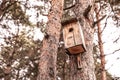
pixel 48 57
pixel 84 14
pixel 100 42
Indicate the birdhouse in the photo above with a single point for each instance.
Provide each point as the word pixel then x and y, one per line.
pixel 73 36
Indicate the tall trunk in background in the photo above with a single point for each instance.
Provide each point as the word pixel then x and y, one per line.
pixel 84 12
pixel 100 42
pixel 48 57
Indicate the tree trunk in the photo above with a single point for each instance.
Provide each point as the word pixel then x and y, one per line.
pixel 84 12
pixel 48 57
pixel 100 42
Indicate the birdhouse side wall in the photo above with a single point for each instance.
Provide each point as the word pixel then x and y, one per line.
pixel 82 36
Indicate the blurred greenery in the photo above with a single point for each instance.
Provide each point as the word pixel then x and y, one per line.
pixel 19 51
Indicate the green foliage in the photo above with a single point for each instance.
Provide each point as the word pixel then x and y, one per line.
pixel 13 10
pixel 111 9
pixel 20 52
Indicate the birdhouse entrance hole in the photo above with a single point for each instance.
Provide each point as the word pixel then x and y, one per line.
pixel 73 36
pixel 71 30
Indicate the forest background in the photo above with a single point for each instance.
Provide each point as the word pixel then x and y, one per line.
pixel 23 27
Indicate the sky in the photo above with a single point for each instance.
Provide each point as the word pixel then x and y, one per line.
pixel 109 35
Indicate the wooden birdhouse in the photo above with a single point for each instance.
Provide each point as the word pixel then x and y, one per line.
pixel 73 36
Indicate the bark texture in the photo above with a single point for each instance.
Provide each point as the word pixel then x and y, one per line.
pixel 84 13
pixel 102 55
pixel 48 57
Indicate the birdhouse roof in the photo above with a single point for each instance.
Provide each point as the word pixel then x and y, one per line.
pixel 68 21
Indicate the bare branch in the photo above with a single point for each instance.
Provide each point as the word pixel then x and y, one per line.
pixel 98 21
pixel 113 52
pixel 105 24
pixel 115 41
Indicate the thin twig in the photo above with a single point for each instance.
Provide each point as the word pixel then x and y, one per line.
pixel 113 52
pixel 113 63
pixel 105 24
pixel 115 41
pixel 98 21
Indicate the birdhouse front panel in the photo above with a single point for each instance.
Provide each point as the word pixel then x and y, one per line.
pixel 68 37
pixel 73 39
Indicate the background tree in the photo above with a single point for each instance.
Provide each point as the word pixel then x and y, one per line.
pixel 100 42
pixel 105 9
pixel 48 57
pixel 19 47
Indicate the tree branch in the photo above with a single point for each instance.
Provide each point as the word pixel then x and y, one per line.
pixel 115 41
pixel 105 24
pixel 98 21
pixel 113 52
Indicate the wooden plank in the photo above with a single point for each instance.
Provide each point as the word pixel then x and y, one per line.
pixel 68 21
pixel 76 49
pixel 73 38
pixel 77 36
pixel 68 36
pixel 79 65
pixel 82 37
